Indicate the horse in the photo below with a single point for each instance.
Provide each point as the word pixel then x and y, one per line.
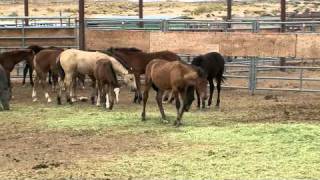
pixel 213 64
pixel 177 76
pixel 83 62
pixel 138 61
pixel 5 93
pixel 105 76
pixel 45 62
pixel 9 59
pixel 29 66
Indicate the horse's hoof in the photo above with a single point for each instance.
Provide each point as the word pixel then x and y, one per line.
pixel 73 100
pixel 35 100
pixel 49 100
pixel 177 123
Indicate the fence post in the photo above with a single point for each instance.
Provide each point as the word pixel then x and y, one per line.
pixel 252 76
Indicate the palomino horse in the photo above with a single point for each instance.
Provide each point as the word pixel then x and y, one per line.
pixel 45 62
pixel 5 93
pixel 106 82
pixel 72 61
pixel 177 76
pixel 138 61
pixel 9 59
pixel 213 64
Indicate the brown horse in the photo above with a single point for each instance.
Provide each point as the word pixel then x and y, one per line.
pixel 74 61
pixel 29 66
pixel 179 77
pixel 9 59
pixel 45 62
pixel 106 82
pixel 138 61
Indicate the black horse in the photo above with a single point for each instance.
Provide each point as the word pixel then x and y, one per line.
pixel 213 64
pixel 5 92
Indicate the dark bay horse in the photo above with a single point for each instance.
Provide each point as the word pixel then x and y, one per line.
pixel 138 61
pixel 5 93
pixel 213 64
pixel 177 76
pixel 106 82
pixel 9 59
pixel 45 62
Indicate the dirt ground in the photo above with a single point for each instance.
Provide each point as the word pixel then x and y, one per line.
pixel 29 148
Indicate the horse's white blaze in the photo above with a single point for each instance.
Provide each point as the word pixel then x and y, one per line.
pixel 46 95
pixel 107 101
pixel 117 91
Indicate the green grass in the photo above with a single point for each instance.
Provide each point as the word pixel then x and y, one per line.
pixel 210 145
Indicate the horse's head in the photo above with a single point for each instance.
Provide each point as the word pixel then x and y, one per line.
pixel 130 81
pixel 202 83
pixel 189 98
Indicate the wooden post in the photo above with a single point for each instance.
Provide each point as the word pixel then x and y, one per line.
pixel 26 11
pixel 229 12
pixel 283 29
pixel 81 26
pixel 141 12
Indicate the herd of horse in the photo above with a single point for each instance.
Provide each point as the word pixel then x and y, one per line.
pixel 163 71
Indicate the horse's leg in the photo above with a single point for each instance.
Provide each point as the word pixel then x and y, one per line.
pixel 30 75
pixel 171 97
pixel 25 72
pixel 61 86
pixel 99 89
pixel 73 89
pixel 55 82
pixel 138 82
pixel 94 89
pixel 159 102
pixel 198 99
pixel 35 86
pixel 50 76
pixel 145 98
pixel 43 82
pixel 219 89
pixel 117 92
pixel 68 83
pixel 211 85
pixel 179 98
pixel 112 96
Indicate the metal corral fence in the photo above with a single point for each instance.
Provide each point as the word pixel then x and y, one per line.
pixel 306 25
pixel 257 74
pixel 242 73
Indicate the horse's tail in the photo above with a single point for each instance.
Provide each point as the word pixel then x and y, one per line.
pixel 220 77
pixel 60 69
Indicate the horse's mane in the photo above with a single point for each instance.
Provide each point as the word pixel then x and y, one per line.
pixel 35 48
pixel 131 49
pixel 110 52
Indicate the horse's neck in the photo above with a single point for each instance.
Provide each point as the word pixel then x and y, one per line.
pixel 118 67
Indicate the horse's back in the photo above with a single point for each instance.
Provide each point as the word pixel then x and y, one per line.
pixel 212 63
